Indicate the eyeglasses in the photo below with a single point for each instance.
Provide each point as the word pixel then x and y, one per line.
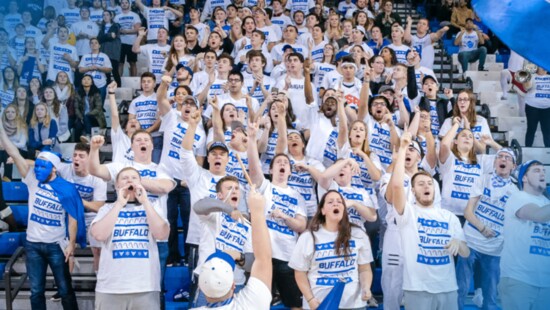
pixel 505 157
pixel 379 103
pixel 463 99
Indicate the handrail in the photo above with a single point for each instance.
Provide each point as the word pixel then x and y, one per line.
pixel 516 147
pixel 11 295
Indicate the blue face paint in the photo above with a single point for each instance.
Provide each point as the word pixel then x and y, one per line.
pixel 42 169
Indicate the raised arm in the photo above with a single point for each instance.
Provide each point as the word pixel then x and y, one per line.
pixel 136 47
pixel 140 5
pixel 446 142
pixel 262 266
pixel 342 122
pixel 534 213
pixel 407 36
pixel 115 119
pixel 189 137
pixel 13 151
pixel 363 108
pixel 435 36
pixel 217 122
pixel 282 136
pixel 399 198
pixel 163 103
pixel 331 172
pixel 254 165
pixel 308 88
pixel 94 166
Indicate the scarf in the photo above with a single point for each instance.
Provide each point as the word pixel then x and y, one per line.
pixel 499 182
pixel 72 203
pixel 10 129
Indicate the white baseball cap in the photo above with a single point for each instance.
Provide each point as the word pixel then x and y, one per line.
pixel 216 277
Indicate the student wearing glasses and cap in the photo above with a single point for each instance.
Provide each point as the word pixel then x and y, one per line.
pixel 56 223
pixel 483 229
pixel 174 125
pixel 525 264
pixel 216 278
pixel 359 37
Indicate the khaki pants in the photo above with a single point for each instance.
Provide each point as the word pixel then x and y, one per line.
pixel 416 300
pixel 517 295
pixel 136 301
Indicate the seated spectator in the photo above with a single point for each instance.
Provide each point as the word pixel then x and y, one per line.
pixel 31 65
pixel 42 130
pixel 57 111
pixel 468 40
pixel 97 65
pixel 16 130
pixel 9 84
pixel 23 104
pixel 88 108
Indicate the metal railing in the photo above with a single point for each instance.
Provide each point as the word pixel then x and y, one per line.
pixel 12 289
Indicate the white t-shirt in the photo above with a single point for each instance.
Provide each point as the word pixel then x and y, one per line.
pixel 304 183
pixel 129 261
pixel 425 232
pixel 539 95
pixel 46 214
pixel 96 15
pixel 100 60
pixel 155 55
pixel 58 63
pixel 257 94
pixel 233 167
pixel 202 184
pixel 323 142
pixel 358 195
pixel 425 47
pixel 271 35
pixel 71 15
pixel 174 128
pixel 157 18
pixel 527 246
pixel 493 192
pixel 459 178
pixel 325 268
pixel 240 104
pixel 318 50
pixel 255 295
pixel 480 128
pixel 90 188
pixel 379 140
pixel 281 21
pixel 296 93
pixel 400 52
pixel 364 179
pixel 127 22
pixel 330 78
pixel 299 5
pixel 290 202
pixel 277 50
pixel 145 109
pixel 122 149
pixel 84 27
pixel 469 42
pixel 351 91
pixel 220 232
pixel 319 72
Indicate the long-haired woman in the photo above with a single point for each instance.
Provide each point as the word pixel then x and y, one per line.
pixel 88 108
pixel 57 111
pixel 109 38
pixel 42 130
pixel 31 58
pixel 333 250
pixel 16 130
pixel 23 104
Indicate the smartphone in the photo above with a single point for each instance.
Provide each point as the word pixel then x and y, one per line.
pixel 274 90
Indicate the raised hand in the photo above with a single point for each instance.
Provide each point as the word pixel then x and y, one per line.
pixel 97 142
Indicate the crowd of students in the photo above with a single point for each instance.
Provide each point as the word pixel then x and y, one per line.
pixel 300 145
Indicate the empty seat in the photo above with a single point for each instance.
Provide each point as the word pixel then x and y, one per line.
pixel 483 86
pixel 9 242
pixel 15 191
pixel 130 82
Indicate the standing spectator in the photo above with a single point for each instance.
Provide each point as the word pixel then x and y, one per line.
pixel 129 273
pixel 88 108
pixel 423 41
pixel 12 18
pixel 97 65
pixel 210 5
pixel 63 56
pixel 96 12
pixel 484 227
pixel 42 131
pixel 387 18
pixel 537 107
pixel 7 54
pixel 71 13
pixel 129 26
pixel 56 224
pixel 31 64
pixel 84 30
pixel 109 39
pixel 431 236
pixel 157 17
pixel 156 53
pixel 398 45
pixel 16 130
pixel 524 265
pixel 321 256
pixel 30 29
pixel 468 40
pixel 17 41
pixel 10 82
pixel 49 15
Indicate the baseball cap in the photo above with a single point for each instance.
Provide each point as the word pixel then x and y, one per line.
pixel 54 158
pixel 341 54
pixel 429 77
pixel 362 29
pixel 218 145
pixel 523 170
pixel 189 97
pixel 508 151
pixel 216 277
pixel 179 66
pixel 287 46
pixel 238 125
pixel 385 88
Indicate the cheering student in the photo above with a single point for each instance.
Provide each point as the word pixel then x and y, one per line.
pixel 430 238
pixel 216 279
pixel 129 274
pixel 332 250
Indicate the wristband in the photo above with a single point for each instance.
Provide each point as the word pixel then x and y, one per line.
pixel 310 299
pixel 111 93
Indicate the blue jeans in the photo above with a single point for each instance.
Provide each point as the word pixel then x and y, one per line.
pixel 179 201
pixel 470 56
pixel 163 256
pixel 39 256
pixel 157 148
pixel 490 273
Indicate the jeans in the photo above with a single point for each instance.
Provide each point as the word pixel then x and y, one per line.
pixel 490 274
pixel 534 117
pixel 163 256
pixel 179 199
pixel 470 56
pixel 39 256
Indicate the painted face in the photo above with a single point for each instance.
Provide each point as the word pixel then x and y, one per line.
pixel 42 169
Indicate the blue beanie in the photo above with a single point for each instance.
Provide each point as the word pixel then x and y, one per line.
pixel 523 169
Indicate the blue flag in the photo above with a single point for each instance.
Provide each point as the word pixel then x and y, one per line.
pixel 332 301
pixel 521 24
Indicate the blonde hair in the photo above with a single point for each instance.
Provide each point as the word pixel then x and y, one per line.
pixel 19 122
pixel 47 117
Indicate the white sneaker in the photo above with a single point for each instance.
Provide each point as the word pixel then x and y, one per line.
pixel 478 297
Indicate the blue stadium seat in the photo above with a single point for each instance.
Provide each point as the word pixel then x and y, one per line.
pixel 9 242
pixel 21 214
pixel 176 278
pixel 15 191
